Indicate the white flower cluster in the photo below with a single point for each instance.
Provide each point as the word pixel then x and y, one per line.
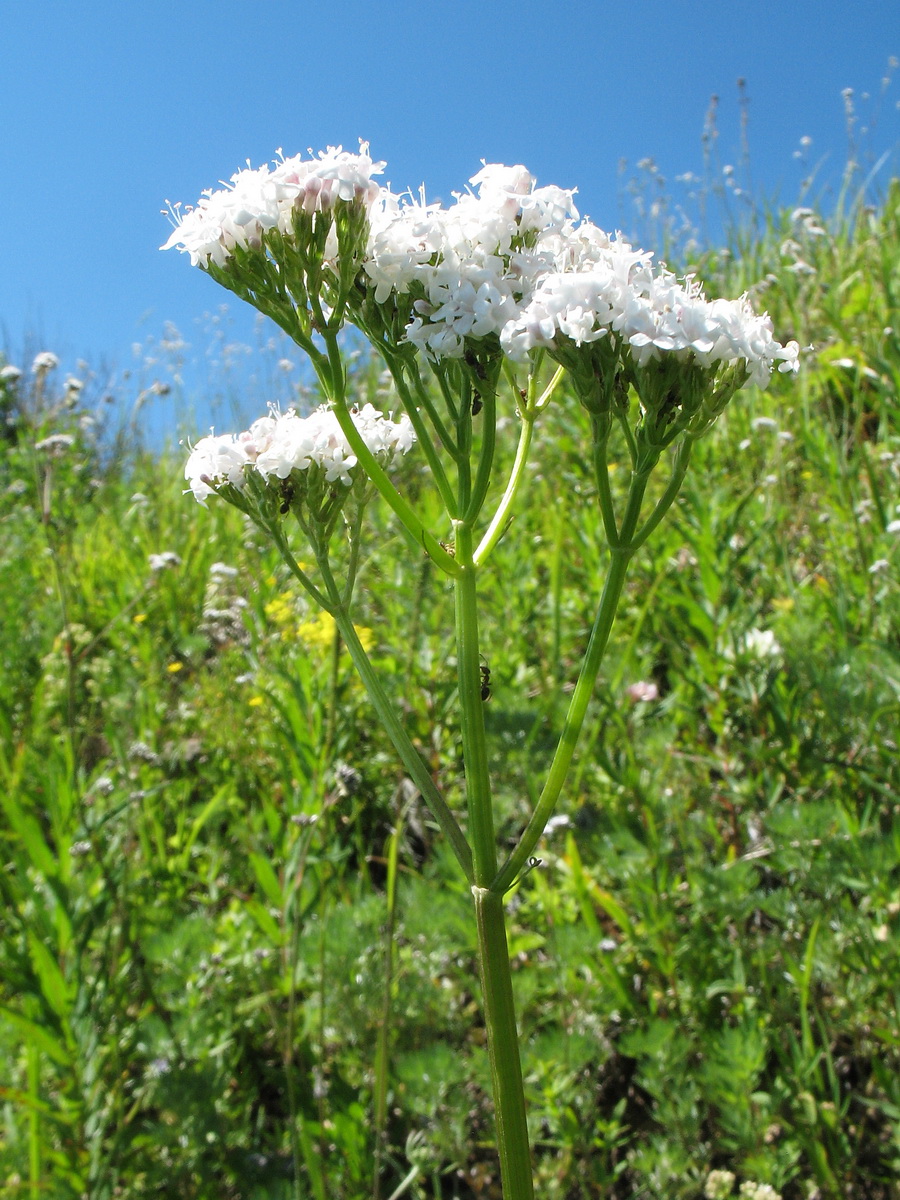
pixel 507 259
pixel 266 198
pixel 719 1185
pixel 284 442
pixel 43 362
pixel 475 261
pixel 510 259
pixel 749 1190
pixel 614 288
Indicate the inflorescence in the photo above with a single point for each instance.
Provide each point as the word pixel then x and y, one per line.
pixel 277 445
pixel 506 259
pixel 507 271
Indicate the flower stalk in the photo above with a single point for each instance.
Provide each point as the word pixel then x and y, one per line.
pixel 453 300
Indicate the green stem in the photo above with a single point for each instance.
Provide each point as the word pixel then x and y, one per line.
pixel 497 527
pixel 565 750
pixel 528 413
pixel 333 687
pixel 34 1124
pixel 278 536
pixel 493 951
pixel 628 540
pixel 382 1047
pixel 664 503
pixel 424 438
pixel 355 538
pixel 485 455
pixel 447 442
pixel 604 491
pixel 503 1046
pixel 374 469
pixel 475 757
pixel 409 756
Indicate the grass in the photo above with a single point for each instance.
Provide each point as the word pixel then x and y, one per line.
pixel 235 961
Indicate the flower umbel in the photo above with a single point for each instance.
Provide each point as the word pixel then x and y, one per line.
pixel 286 445
pixel 257 201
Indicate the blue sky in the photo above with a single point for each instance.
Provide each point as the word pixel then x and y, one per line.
pixel 108 109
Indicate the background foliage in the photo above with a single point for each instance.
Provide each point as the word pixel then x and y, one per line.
pixel 234 959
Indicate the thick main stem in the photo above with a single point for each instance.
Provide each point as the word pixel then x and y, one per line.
pixel 493 951
pixel 468 667
pixel 503 1047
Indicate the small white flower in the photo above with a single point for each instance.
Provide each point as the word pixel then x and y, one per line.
pixel 749 1190
pixel 560 821
pixel 718 1185
pixel 159 562
pixel 880 564
pixel 757 643
pixel 892 527
pixel 45 361
pixel 9 373
pixel 56 443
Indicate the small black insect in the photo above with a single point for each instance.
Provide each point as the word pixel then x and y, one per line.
pixel 477 404
pixel 472 361
pixel 485 682
pixel 287 496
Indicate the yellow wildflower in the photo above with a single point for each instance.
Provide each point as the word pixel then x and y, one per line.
pixel 318 633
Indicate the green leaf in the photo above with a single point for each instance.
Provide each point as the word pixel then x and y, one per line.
pixel 38 1036
pixel 53 985
pixel 265 921
pixel 267 880
pixel 26 826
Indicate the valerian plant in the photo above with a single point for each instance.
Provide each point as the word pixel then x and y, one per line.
pixel 467 306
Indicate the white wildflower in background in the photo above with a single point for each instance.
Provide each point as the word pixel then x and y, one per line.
pixel 10 373
pixel 55 444
pixel 892 527
pixel 43 362
pixel 719 1185
pixel 757 1191
pixel 643 691
pixel 760 643
pixel 168 558
pixel 560 821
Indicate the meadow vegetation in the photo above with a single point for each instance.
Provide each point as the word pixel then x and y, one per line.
pixel 229 938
